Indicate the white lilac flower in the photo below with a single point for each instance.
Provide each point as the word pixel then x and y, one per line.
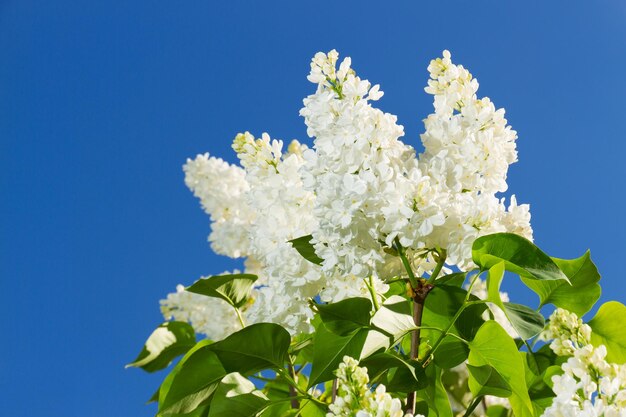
pixel 221 188
pixel 589 385
pixel 468 148
pixel 355 399
pixel 370 188
pixel 283 212
pixel 359 190
pixel 567 332
pixel 467 134
pixel 361 174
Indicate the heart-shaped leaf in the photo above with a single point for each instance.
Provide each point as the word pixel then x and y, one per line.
pixel 232 288
pixel 166 342
pixel 235 396
pixel 492 346
pixel 580 296
pixel 608 329
pixel 346 316
pixel 519 255
pixel 253 348
pixel 192 381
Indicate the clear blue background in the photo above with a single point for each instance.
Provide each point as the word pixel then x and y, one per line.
pixel 101 102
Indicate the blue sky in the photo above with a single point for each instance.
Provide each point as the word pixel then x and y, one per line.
pixel 102 102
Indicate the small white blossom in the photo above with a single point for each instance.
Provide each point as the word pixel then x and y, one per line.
pixel 567 332
pixel 370 188
pixel 355 399
pixel 362 175
pixel 283 212
pixel 468 149
pixel 221 188
pixel 589 385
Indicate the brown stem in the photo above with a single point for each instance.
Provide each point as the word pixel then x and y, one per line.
pixel 295 404
pixel 335 386
pixel 419 298
pixel 418 292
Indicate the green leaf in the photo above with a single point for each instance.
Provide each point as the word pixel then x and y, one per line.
pixel 526 321
pixel 381 362
pixel 494 280
pixel 435 393
pixel 404 379
pixel 402 375
pixel 608 329
pixel 394 317
pixel 375 342
pixel 520 256
pixel 237 397
pixel 492 346
pixel 450 353
pixel 487 381
pixel 330 349
pixel 550 372
pixel 311 409
pixel 232 288
pixel 396 288
pixel 442 304
pixel 201 411
pixel 306 249
pixel 346 316
pixel 277 391
pixel 192 381
pixel 155 397
pixel 166 342
pixel 536 364
pixel 302 347
pixel 456 279
pixel 580 296
pixel 253 348
pixel 455 381
pixel 470 320
pixel 497 411
pixel 421 407
pixel 545 358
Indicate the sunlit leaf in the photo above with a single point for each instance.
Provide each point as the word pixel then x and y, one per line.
pixel 526 321
pixel 394 317
pixel 236 396
pixel 492 346
pixel 520 256
pixel 254 348
pixel 169 340
pixel 346 316
pixel 232 288
pixel 580 296
pixel 608 329
pixel 192 381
